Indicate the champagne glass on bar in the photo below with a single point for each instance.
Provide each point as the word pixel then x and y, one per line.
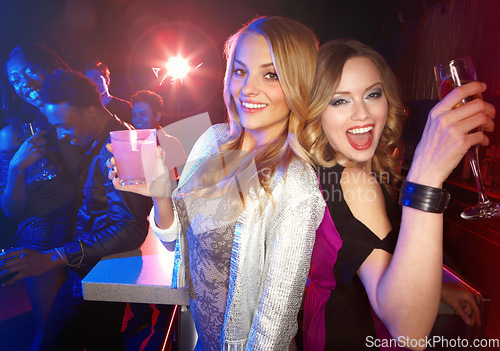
pixel 448 76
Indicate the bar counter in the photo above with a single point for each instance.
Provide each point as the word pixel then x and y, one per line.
pixel 472 247
pixel 143 275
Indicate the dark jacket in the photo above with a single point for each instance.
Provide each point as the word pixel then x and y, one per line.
pixel 108 221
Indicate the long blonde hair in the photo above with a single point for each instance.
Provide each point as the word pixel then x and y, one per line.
pixel 331 60
pixel 294 50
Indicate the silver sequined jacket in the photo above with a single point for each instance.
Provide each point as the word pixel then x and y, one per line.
pixel 270 256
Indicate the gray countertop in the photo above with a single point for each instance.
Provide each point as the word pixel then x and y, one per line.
pixel 143 275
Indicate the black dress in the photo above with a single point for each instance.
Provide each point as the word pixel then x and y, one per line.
pixel 348 317
pixel 45 221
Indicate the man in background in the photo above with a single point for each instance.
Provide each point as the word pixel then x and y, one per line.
pixel 107 221
pixel 147 110
pixel 99 73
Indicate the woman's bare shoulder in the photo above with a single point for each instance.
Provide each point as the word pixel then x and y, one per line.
pixel 8 138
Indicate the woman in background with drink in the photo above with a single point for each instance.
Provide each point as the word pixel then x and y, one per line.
pixel 247 206
pixel 363 259
pixel 42 205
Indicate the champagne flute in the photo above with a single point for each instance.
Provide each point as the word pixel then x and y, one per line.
pixel 46 173
pixel 448 76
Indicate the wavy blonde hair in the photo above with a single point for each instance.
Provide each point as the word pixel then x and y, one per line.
pixel 294 50
pixel 331 60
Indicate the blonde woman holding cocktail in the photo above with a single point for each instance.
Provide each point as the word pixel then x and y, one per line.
pixel 247 206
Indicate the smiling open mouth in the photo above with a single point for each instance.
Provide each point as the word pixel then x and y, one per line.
pixel 251 106
pixel 360 138
pixel 34 94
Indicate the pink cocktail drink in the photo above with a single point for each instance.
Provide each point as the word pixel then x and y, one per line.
pixel 134 152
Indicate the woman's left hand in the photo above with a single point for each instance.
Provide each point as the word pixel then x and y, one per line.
pixel 31 150
pixel 463 302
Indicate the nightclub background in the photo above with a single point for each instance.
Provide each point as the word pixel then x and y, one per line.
pixel 134 36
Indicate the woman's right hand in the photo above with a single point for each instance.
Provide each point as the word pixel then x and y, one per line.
pixel 161 187
pixel 463 302
pixel 30 151
pixel 447 135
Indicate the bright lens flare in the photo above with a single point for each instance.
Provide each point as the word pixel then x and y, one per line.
pixel 178 67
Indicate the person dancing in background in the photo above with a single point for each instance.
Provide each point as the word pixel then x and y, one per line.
pixel 362 259
pixel 244 248
pixel 44 208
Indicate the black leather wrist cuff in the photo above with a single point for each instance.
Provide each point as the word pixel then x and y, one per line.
pixel 423 197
